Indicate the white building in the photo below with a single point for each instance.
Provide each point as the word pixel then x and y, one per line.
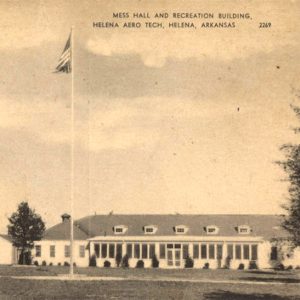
pixel 8 253
pixel 211 240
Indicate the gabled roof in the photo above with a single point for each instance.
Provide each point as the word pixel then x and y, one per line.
pixel 61 231
pixel 266 226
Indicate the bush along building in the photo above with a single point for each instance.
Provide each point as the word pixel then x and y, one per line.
pixel 169 241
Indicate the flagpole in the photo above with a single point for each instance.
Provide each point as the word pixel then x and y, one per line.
pixel 72 155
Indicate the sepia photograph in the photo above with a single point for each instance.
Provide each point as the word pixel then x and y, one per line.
pixel 150 149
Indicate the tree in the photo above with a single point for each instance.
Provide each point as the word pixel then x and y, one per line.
pixel 291 165
pixel 25 227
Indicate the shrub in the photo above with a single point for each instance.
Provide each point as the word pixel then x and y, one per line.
pixel 189 262
pixel 44 263
pixel 206 266
pixel 279 267
pixel 241 267
pixel 66 264
pixel 297 268
pixel 125 261
pixel 140 264
pixel 74 264
pixel 155 262
pixel 118 259
pixel 253 265
pixel 51 264
pixel 93 261
pixel 219 263
pixel 290 267
pixel 227 262
pixel 59 264
pixel 107 264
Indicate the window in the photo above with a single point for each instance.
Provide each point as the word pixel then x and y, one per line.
pixel 172 246
pixel 144 251
pixel 151 250
pixel 103 250
pixel 119 249
pixel 67 251
pixel 230 251
pixel 238 251
pixel 97 250
pixel 120 229
pixel 129 250
pixel 162 251
pixel 211 251
pixel 81 251
pixel 38 251
pixel 181 229
pixel 196 251
pixel 203 251
pixel 150 229
pixel 212 229
pixel 244 229
pixel 136 250
pixel 246 251
pixel 274 253
pixel 219 251
pixel 254 252
pixel 185 251
pixel 52 251
pixel 111 251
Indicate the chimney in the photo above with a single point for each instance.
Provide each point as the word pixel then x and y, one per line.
pixel 65 217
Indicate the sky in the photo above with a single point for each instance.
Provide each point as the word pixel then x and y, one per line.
pixel 166 120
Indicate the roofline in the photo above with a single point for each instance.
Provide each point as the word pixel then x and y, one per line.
pixel 175 214
pixel 61 240
pixel 6 237
pixel 183 238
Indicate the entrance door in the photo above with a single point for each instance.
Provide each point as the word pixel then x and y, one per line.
pixel 174 255
pixel 177 255
pixel 170 257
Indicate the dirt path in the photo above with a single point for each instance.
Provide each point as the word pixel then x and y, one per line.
pixel 161 279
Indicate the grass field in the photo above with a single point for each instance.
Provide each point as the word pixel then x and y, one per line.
pixel 289 287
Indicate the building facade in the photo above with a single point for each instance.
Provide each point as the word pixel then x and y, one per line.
pixel 8 253
pixel 211 241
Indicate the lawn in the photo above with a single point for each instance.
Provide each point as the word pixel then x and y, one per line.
pixel 134 289
pixel 292 276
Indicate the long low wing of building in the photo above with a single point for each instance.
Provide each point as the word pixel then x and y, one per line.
pixel 210 241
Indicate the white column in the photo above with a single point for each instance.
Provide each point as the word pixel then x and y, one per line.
pixel 92 248
pixel 123 248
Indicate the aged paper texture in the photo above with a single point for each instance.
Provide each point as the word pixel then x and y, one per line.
pixel 152 108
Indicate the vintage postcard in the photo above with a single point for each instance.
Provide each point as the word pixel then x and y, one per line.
pixel 149 149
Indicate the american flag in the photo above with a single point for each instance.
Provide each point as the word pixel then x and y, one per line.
pixel 64 63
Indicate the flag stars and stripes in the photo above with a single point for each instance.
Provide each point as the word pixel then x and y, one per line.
pixel 64 63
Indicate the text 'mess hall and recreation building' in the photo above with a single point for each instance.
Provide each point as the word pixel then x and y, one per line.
pixel 208 239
